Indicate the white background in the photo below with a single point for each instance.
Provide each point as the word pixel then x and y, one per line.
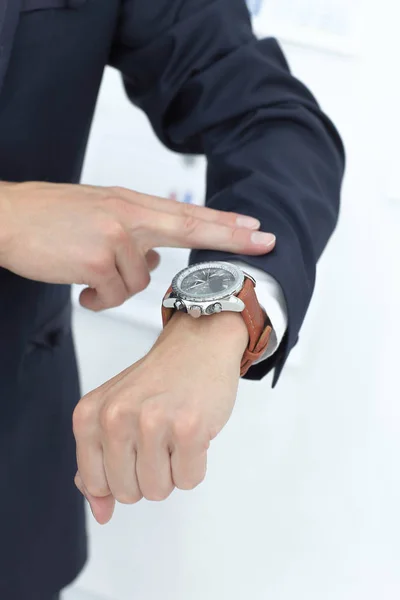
pixel 302 495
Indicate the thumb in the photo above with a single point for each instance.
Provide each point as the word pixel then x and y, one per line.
pixel 102 508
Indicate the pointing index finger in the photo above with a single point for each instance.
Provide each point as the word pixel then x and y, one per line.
pixel 172 207
pixel 164 230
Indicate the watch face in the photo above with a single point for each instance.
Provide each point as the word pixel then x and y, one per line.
pixel 208 281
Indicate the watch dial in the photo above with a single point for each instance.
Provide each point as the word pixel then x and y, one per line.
pixel 207 282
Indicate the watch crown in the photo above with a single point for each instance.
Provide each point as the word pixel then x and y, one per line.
pixel 195 311
pixel 179 305
pixel 214 308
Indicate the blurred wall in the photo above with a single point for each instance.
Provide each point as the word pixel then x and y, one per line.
pixel 303 490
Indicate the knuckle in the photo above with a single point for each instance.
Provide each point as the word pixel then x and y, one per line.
pixel 82 415
pixel 79 484
pixel 98 490
pixel 101 264
pixel 158 495
pixel 112 202
pixel 128 497
pixel 114 232
pixel 112 418
pixel 185 427
pixel 116 190
pixel 151 420
pixel 189 485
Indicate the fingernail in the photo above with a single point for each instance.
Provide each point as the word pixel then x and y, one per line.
pixel 263 239
pixel 248 222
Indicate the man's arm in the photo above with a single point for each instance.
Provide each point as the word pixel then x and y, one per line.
pixel 208 86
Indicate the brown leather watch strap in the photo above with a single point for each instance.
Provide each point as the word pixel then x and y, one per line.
pixel 258 324
pixel 167 312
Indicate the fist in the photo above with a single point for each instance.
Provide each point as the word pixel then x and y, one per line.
pixel 148 430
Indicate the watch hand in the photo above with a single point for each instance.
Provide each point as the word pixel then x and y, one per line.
pixel 197 284
pixel 219 274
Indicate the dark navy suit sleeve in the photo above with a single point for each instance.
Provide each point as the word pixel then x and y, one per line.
pixel 209 86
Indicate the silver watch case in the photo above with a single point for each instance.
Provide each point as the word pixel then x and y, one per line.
pixel 226 302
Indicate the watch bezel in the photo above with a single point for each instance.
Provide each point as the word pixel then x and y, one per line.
pixel 234 289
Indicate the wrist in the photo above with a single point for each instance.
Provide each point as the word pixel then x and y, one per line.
pixel 226 330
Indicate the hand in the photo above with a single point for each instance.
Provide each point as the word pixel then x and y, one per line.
pixel 104 237
pixel 148 430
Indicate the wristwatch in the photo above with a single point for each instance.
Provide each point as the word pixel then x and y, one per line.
pixel 209 288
